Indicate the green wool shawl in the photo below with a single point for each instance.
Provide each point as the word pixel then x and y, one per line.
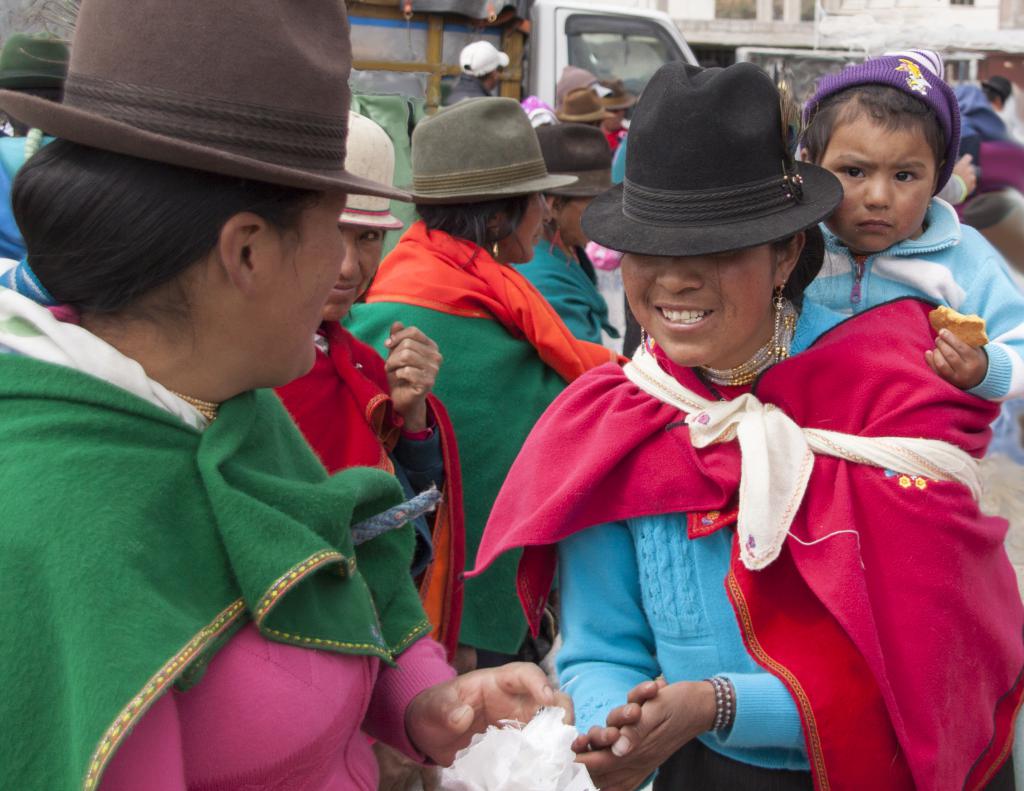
pixel 132 546
pixel 494 387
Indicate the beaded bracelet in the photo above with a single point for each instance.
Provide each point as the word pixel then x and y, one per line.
pixel 725 703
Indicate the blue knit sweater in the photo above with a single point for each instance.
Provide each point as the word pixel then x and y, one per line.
pixel 641 599
pixel 948 264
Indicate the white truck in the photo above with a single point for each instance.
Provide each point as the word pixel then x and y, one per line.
pixel 412 46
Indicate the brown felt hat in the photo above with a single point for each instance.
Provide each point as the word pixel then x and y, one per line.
pixel 618 98
pixel 577 150
pixel 582 106
pixel 257 90
pixel 477 150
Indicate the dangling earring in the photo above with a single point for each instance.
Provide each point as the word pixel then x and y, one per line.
pixel 645 340
pixel 779 349
pixel 494 251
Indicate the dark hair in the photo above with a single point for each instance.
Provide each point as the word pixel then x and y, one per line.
pixel 889 107
pixel 469 220
pixel 992 94
pixel 808 265
pixel 103 229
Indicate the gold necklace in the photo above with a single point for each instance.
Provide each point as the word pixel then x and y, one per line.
pixel 776 348
pixel 207 409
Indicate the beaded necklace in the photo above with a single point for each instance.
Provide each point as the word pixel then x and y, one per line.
pixel 775 349
pixel 207 409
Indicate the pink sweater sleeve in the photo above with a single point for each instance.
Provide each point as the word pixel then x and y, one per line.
pixel 422 665
pixel 151 755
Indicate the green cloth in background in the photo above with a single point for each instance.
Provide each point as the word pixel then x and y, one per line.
pixel 571 293
pixel 495 387
pixel 398 116
pixel 133 545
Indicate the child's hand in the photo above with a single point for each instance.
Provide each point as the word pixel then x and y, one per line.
pixel 961 365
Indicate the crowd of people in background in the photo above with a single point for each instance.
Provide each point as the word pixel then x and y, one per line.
pixel 288 506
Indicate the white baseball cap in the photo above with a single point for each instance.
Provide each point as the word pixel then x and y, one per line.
pixel 480 58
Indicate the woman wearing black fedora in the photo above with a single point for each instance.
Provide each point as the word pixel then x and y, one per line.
pixel 478 179
pixel 770 510
pixel 188 599
pixel 560 268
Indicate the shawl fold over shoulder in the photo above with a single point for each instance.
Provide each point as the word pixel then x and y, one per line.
pixel 133 546
pixel 343 408
pixel 435 270
pixel 902 643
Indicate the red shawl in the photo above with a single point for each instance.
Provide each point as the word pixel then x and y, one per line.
pixel 343 408
pixel 902 649
pixel 435 270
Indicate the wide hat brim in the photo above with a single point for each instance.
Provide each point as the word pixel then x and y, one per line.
pixel 589 184
pixel 30 79
pixel 605 223
pixel 596 115
pixel 524 187
pixel 91 129
pixel 383 220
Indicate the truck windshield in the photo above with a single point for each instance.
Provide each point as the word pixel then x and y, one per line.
pixel 613 46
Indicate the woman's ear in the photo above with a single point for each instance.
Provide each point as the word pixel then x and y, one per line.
pixel 786 257
pixel 243 249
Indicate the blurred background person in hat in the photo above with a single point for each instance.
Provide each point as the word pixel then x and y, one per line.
pixel 235 615
pixel 481 66
pixel 582 106
pixel 573 78
pixel 357 409
pixel 999 92
pixel 37 66
pixel 617 102
pixel 478 183
pixel 560 268
pixel 777 607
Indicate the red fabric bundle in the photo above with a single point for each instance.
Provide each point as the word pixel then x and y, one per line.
pixel 901 644
pixel 344 410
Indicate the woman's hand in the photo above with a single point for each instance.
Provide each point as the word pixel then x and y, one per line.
pixel 961 365
pixel 441 720
pixel 602 738
pixel 412 365
pixel 677 714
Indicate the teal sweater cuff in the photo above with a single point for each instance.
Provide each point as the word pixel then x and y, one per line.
pixel 765 714
pixel 996 384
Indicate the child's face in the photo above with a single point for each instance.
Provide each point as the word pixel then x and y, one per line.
pixel 888 178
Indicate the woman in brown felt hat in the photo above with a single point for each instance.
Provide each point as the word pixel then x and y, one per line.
pixel 478 179
pixel 560 268
pixel 189 599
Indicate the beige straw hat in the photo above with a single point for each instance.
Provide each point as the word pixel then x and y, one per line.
pixel 371 155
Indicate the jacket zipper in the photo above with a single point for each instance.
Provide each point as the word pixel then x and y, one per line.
pixel 859 264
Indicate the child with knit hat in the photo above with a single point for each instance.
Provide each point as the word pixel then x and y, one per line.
pixel 889 129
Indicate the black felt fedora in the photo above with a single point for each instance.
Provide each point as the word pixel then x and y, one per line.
pixel 257 90
pixel 708 169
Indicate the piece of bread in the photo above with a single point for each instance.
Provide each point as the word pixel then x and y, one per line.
pixel 969 329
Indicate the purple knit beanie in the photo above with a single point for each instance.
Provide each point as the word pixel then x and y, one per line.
pixel 917 72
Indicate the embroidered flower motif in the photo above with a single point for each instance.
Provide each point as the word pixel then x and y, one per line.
pixel 751 543
pixel 905 481
pixel 915 80
pixel 921 483
pixel 709 518
pixel 890 473
pixel 703 418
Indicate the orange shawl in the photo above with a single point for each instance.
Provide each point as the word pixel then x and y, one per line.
pixel 432 269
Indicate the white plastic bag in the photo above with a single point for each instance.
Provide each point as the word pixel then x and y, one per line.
pixel 537 756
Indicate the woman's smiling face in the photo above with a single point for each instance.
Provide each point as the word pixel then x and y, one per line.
pixel 710 310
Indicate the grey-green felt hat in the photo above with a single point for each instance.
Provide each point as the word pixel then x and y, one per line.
pixel 478 150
